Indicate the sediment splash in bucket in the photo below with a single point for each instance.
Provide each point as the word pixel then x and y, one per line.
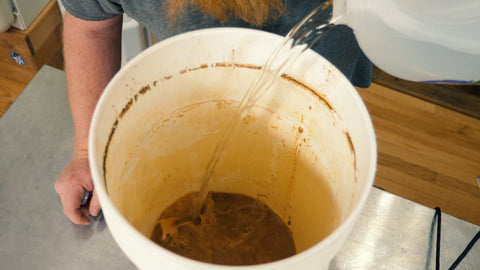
pixel 231 229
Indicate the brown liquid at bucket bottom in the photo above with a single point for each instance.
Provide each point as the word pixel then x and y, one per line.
pixel 232 229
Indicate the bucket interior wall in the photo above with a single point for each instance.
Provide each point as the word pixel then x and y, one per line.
pixel 292 151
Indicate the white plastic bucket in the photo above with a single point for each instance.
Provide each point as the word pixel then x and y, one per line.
pixel 307 148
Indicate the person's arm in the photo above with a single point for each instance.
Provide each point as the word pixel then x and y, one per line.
pixel 92 51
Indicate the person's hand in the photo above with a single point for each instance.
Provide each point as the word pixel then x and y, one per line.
pixel 71 186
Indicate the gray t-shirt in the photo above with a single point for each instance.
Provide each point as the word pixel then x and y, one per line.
pixel 339 45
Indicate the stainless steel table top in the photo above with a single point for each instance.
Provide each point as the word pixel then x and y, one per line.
pixel 36 136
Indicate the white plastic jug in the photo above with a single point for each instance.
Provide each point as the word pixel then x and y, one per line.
pixel 417 40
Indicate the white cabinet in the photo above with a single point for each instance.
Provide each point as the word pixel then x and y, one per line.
pixel 25 11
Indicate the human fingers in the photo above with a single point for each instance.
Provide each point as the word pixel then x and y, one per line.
pixel 94 206
pixel 73 209
pixel 71 186
pixel 84 211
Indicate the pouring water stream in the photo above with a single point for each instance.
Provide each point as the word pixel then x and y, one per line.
pixel 300 38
